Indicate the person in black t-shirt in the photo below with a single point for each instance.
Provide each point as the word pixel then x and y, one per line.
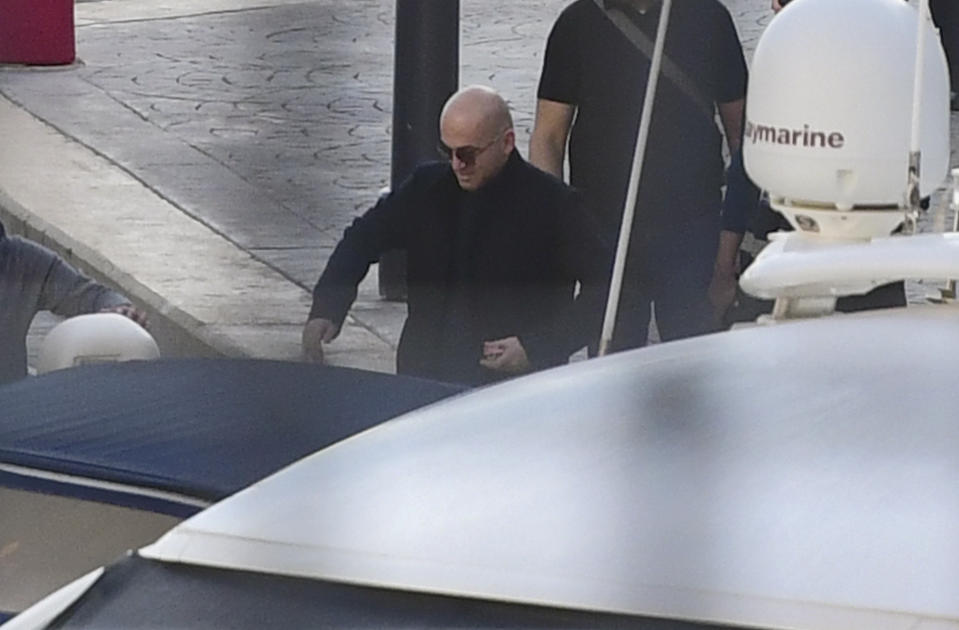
pixel 684 249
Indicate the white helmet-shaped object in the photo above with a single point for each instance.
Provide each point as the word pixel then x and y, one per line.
pixel 829 107
pixel 95 338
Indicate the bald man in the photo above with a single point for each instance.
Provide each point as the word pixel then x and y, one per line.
pixel 494 249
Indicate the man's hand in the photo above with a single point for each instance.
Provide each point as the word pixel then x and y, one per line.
pixel 722 287
pixel 722 292
pixel 505 355
pixel 777 6
pixel 317 332
pixel 129 311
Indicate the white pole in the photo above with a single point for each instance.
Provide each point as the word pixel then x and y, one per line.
pixel 622 248
pixel 950 291
pixel 917 85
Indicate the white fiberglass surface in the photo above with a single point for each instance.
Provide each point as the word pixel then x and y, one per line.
pixel 795 264
pixel 800 475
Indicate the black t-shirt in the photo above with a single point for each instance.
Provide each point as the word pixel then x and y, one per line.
pixel 591 64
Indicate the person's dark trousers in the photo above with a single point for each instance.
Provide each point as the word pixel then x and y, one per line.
pixel 945 13
pixel 671 271
pixel 885 296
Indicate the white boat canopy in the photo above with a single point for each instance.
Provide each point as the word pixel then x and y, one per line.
pixel 802 475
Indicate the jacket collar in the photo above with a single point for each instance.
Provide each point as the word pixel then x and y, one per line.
pixel 501 182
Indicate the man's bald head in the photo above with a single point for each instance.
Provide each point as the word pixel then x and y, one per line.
pixel 477 127
pixel 479 106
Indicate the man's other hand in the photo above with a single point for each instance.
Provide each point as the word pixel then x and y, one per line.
pixel 129 311
pixel 317 332
pixel 505 355
pixel 722 292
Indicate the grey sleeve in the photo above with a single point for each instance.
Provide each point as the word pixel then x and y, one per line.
pixel 59 287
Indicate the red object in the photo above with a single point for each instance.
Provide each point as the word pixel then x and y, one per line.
pixel 37 32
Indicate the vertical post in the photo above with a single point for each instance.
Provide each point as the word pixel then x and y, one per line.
pixel 915 134
pixel 950 291
pixel 425 74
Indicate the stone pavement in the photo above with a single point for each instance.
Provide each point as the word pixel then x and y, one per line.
pixel 205 155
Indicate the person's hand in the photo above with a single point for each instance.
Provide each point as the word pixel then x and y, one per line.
pixel 777 7
pixel 722 292
pixel 129 311
pixel 317 332
pixel 505 355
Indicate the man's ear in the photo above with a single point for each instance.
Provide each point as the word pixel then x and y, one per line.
pixel 509 141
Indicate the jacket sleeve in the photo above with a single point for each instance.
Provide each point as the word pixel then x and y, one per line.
pixel 59 287
pixel 586 257
pixel 381 229
pixel 741 202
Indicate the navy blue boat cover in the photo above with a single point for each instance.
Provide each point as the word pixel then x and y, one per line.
pixel 137 593
pixel 203 428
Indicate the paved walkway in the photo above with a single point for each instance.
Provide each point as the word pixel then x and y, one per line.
pixel 205 156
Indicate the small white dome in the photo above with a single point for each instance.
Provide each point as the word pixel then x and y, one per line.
pixel 95 338
pixel 829 108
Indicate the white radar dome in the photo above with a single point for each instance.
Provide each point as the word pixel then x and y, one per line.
pixel 95 338
pixel 829 107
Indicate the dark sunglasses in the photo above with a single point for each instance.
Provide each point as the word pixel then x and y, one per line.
pixel 468 154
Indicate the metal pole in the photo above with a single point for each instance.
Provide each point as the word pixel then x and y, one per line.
pixel 425 74
pixel 622 248
pixel 915 155
pixel 950 291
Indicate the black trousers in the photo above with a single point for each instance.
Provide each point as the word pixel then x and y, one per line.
pixel 668 270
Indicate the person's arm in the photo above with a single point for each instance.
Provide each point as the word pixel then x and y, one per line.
pixel 741 195
pixel 558 93
pixel 547 143
pixel 379 230
pixel 65 291
pixel 722 287
pixel 732 115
